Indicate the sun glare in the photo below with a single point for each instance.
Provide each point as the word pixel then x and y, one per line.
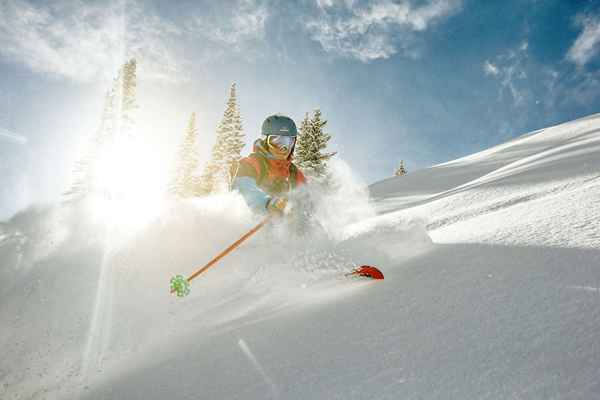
pixel 130 180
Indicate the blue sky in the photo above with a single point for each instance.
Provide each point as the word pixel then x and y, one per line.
pixel 426 81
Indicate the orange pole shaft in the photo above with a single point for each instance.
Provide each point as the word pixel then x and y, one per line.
pixel 228 250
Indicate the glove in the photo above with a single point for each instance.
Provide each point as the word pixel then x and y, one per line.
pixel 277 204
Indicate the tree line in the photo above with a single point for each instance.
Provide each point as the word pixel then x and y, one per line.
pixel 187 179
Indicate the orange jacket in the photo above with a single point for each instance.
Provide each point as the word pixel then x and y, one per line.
pixel 271 175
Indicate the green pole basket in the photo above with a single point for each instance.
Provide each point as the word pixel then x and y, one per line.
pixel 180 286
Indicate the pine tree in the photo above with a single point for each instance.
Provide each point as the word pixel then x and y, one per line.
pixel 401 170
pixel 184 180
pixel 83 180
pixel 116 123
pixel 312 141
pixel 126 86
pixel 227 148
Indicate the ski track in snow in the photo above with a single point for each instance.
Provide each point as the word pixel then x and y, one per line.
pixel 503 304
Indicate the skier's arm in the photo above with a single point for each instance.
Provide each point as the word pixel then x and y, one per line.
pixel 256 199
pixel 245 174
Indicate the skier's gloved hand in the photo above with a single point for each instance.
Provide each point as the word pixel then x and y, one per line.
pixel 277 204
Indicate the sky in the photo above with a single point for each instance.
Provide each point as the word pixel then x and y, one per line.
pixel 425 81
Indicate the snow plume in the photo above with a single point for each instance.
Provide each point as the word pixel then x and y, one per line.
pixel 97 291
pixel 29 237
pixel 346 201
pixel 344 231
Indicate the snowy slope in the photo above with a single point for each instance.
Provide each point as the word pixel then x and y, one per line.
pixel 505 303
pixel 540 189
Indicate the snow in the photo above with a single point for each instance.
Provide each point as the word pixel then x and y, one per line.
pixel 492 290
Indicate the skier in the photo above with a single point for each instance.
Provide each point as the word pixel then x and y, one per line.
pixel 265 179
pixel 267 176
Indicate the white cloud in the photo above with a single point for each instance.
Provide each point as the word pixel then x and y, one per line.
pixel 85 42
pixel 376 30
pixel 510 69
pixel 490 69
pixel 235 25
pixel 324 3
pixel 587 44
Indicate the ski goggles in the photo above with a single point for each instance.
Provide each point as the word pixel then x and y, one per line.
pixel 281 142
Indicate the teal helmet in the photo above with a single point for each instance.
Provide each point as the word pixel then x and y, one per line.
pixel 279 125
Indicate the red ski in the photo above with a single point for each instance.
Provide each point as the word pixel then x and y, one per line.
pixel 368 271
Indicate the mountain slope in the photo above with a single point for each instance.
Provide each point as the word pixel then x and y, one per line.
pixel 539 189
pixel 503 303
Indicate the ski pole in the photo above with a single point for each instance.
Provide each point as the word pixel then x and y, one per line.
pixel 181 286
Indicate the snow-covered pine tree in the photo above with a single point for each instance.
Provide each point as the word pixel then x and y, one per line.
pixel 116 123
pixel 401 170
pixel 312 141
pixel 127 91
pixel 83 172
pixel 301 148
pixel 227 148
pixel 205 183
pixel 184 180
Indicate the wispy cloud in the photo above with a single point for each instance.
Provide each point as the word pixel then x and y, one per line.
pixel 84 42
pixel 12 136
pixel 490 69
pixel 587 44
pixel 374 30
pixel 580 87
pixel 234 25
pixel 510 69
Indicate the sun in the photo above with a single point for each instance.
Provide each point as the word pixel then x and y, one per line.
pixel 129 184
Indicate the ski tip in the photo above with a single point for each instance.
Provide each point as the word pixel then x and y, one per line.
pixel 368 271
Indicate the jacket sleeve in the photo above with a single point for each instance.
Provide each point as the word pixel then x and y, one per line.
pixel 244 181
pixel 256 199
